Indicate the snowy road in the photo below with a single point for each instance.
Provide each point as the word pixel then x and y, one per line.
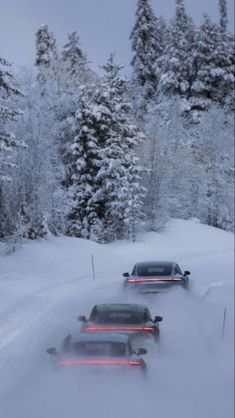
pixel 45 286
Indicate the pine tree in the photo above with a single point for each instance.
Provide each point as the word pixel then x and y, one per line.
pixel 74 68
pixel 46 53
pixel 214 64
pixel 134 200
pixel 106 174
pixel 83 217
pixel 8 142
pixel 75 75
pixel 162 31
pixel 177 73
pixel 147 47
pixel 74 59
pixel 223 15
pixel 7 114
pixel 119 175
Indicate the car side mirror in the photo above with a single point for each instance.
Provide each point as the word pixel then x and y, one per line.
pixel 187 273
pixel 158 319
pixel 82 318
pixel 125 274
pixel 142 351
pixel 51 351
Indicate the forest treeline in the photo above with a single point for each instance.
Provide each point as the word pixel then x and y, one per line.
pixel 102 156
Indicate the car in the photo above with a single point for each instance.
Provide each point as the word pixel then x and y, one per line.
pixel 126 318
pixel 95 351
pixel 156 276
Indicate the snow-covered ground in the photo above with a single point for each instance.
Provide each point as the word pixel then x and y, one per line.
pixel 45 285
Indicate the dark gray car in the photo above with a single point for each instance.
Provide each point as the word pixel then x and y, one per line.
pixel 121 318
pixel 97 351
pixel 156 276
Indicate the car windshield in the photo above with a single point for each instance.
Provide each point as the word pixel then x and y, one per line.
pixel 154 270
pixel 119 317
pixel 99 348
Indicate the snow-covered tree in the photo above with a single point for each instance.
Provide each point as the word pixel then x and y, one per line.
pixel 177 72
pixel 8 114
pixel 46 53
pixel 211 155
pixel 223 15
pixel 83 216
pixel 8 143
pixel 72 53
pixel 38 204
pixel 81 170
pixel 74 75
pixel 190 166
pixel 105 182
pixel 147 47
pixel 214 65
pixel 119 173
pixel 74 60
pixel 65 111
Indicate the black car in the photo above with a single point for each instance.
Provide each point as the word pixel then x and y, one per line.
pixel 124 318
pixel 97 351
pixel 156 276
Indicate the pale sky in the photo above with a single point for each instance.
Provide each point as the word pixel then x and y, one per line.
pixel 103 25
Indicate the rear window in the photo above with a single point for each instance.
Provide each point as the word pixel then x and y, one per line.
pixel 154 270
pixel 123 317
pixel 99 348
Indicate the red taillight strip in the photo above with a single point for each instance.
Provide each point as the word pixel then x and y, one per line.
pixel 145 280
pixel 92 328
pixel 74 362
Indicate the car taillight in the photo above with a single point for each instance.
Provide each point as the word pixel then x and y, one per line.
pixel 74 362
pixel 149 329
pixel 150 280
pixel 93 328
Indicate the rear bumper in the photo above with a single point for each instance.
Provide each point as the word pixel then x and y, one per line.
pixel 130 333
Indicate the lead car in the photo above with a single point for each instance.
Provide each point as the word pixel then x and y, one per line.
pixel 121 318
pixel 98 351
pixel 156 277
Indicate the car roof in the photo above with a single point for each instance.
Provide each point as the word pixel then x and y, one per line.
pixel 120 307
pixel 155 263
pixel 102 337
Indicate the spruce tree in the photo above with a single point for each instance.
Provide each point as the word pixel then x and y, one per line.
pixel 223 15
pixel 73 58
pixel 214 63
pixel 105 182
pixel 83 216
pixel 8 142
pixel 75 75
pixel 7 114
pixel 119 174
pixel 146 46
pixel 46 53
pixel 74 68
pixel 177 72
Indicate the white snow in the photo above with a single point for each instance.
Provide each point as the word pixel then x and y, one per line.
pixel 46 285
